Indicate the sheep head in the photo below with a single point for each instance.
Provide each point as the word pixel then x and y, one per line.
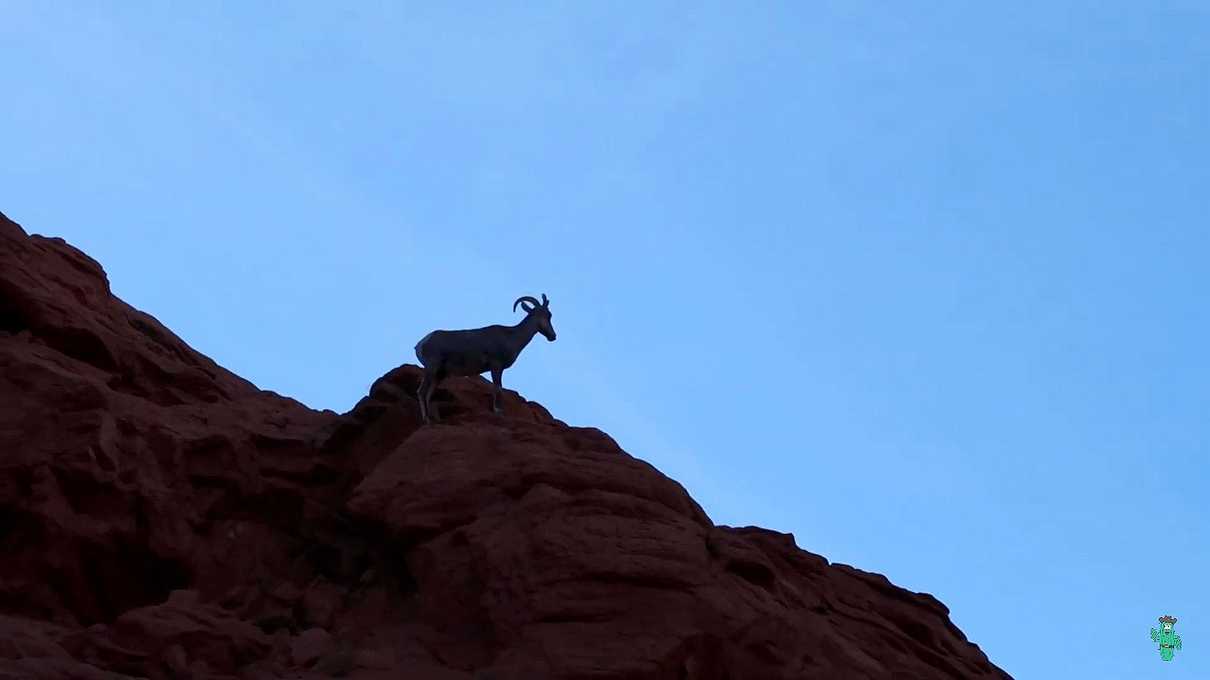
pixel 540 311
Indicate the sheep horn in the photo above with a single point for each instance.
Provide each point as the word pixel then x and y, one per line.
pixel 545 302
pixel 525 298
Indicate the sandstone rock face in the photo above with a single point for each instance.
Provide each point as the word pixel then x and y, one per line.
pixel 161 517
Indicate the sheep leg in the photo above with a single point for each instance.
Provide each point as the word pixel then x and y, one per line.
pixel 497 386
pixel 422 399
pixel 428 410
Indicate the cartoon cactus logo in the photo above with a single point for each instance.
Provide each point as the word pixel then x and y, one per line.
pixel 1169 641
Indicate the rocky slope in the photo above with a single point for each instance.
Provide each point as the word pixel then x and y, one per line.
pixel 161 517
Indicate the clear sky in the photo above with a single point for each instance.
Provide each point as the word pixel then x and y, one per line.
pixel 923 283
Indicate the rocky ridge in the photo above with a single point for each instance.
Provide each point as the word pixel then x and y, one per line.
pixel 161 517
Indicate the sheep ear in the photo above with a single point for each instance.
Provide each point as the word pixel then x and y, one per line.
pixel 545 302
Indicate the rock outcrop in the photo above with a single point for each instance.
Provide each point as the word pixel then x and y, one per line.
pixel 161 517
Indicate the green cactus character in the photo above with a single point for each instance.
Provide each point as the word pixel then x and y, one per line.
pixel 1168 640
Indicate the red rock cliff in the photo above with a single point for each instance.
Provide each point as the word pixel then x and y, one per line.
pixel 161 517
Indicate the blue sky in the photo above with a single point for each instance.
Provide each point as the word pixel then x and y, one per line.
pixel 922 283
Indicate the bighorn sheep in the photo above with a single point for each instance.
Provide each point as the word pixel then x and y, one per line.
pixel 472 352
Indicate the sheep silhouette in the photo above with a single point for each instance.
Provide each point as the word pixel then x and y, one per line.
pixel 478 350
